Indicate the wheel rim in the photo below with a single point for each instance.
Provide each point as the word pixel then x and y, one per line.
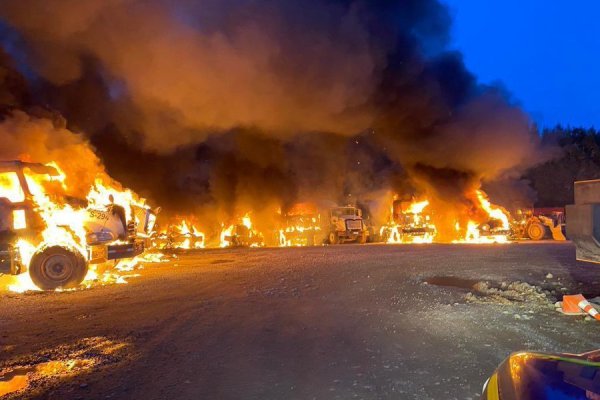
pixel 535 231
pixel 57 267
pixel 332 237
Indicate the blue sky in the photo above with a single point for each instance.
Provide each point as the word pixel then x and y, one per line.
pixel 546 53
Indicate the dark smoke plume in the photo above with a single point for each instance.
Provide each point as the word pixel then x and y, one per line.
pixel 243 104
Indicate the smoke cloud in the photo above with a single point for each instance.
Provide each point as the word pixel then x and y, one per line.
pixel 253 104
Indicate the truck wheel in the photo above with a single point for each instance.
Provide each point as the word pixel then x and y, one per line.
pixel 333 238
pixel 56 267
pixel 362 239
pixel 536 231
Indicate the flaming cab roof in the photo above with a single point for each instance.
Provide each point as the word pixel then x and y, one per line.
pixel 303 209
pixel 37 168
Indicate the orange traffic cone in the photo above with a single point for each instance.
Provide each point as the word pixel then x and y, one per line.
pixel 570 304
pixel 588 308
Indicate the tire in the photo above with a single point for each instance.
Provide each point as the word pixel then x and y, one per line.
pixel 536 231
pixel 362 239
pixel 56 267
pixel 333 238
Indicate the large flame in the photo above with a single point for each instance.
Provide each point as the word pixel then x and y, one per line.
pixel 301 226
pixel 409 224
pixel 474 232
pixel 62 222
pixel 414 222
pixel 181 234
pixel 235 235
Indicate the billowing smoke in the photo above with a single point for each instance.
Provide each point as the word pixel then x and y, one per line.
pixel 225 105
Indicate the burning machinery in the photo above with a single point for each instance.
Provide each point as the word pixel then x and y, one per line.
pixel 182 235
pixel 241 234
pixel 55 238
pixel 302 226
pixel 409 223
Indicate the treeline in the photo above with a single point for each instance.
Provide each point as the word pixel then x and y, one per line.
pixel 577 158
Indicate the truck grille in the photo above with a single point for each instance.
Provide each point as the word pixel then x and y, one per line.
pixel 354 224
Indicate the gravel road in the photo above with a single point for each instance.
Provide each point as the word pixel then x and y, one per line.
pixel 335 322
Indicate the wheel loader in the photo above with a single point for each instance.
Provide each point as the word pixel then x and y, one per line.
pixel 539 224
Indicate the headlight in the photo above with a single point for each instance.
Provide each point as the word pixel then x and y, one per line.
pixel 19 220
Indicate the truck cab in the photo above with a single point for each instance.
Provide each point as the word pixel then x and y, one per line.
pixel 346 225
pixel 301 226
pixel 57 254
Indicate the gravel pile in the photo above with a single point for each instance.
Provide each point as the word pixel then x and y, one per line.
pixel 507 293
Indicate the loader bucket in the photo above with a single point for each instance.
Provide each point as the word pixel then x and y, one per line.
pixel 583 221
pixel 557 233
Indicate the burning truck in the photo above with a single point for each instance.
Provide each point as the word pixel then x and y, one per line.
pixel 56 238
pixel 303 225
pixel 181 235
pixel 241 234
pixel 409 223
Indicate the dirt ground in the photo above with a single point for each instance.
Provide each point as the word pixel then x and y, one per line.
pixel 336 322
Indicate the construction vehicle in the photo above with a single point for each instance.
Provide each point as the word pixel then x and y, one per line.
pixel 346 225
pixel 178 236
pixel 242 234
pixel 583 220
pixel 301 226
pixel 109 235
pixel 409 223
pixel 539 224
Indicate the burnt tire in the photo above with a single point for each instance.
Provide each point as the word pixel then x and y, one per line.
pixel 333 238
pixel 56 267
pixel 536 231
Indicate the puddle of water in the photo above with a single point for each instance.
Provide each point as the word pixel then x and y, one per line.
pixel 451 281
pixel 20 378
pixel 15 380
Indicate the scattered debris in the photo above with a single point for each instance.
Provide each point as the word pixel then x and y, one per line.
pixel 549 276
pixel 506 293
